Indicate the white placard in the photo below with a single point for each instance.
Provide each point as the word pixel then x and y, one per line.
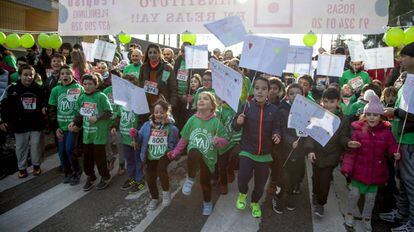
pixel 357 51
pixel 109 17
pixel 299 60
pixel 407 98
pixel 331 65
pixel 129 96
pixel 227 83
pixel 196 57
pixel 378 58
pixel 313 120
pixel 265 54
pixel 229 30
pixel 88 50
pixel 104 50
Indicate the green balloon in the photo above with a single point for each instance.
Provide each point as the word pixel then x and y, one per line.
pixel 43 40
pixel 408 33
pixel 55 41
pixel 310 39
pixel 124 38
pixel 2 38
pixel 394 37
pixel 13 41
pixel 27 41
pixel 189 37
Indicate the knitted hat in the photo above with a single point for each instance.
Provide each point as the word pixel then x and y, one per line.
pixel 408 50
pixel 374 105
pixel 368 94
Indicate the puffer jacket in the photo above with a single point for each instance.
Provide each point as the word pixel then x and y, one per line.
pixel 368 164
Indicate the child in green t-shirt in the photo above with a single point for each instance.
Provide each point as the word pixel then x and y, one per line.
pixel 94 113
pixel 203 134
pixel 62 103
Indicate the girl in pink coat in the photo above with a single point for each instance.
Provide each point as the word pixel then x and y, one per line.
pixel 367 164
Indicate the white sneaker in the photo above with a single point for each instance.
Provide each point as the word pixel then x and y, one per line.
pixel 349 220
pixel 366 222
pixel 153 204
pixel 166 198
pixel 188 185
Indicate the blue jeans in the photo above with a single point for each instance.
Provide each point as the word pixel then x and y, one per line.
pixel 65 149
pixel 134 163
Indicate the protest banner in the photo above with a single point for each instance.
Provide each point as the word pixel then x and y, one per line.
pixel 407 98
pixel 229 30
pixel 227 83
pixel 129 96
pixel 331 65
pixel 265 54
pixel 299 60
pixel 196 57
pixel 104 50
pixel 88 50
pixel 378 58
pixel 357 51
pixel 313 120
pixel 264 16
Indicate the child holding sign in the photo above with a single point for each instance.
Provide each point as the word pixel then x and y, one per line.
pixel 258 119
pixel 202 135
pixel 367 164
pixel 94 113
pixel 156 137
pixel 62 103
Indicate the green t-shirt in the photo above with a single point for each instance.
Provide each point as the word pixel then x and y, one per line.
pixel 158 142
pixel 182 79
pixel 200 134
pixel 226 114
pixel 407 138
pixel 257 158
pixel 200 90
pixel 108 92
pixel 14 77
pixel 348 75
pixel 94 105
pixel 346 104
pixel 132 69
pixel 128 120
pixel 64 98
pixel 357 108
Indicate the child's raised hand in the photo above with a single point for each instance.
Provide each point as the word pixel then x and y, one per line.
pixel 397 156
pixel 92 119
pixel 240 119
pixel 113 131
pixel 354 144
pixel 276 138
pixel 312 157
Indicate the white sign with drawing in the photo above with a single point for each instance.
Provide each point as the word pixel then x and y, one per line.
pixel 331 65
pixel 357 51
pixel 227 83
pixel 299 60
pixel 378 58
pixel 88 50
pixel 129 96
pixel 265 54
pixel 229 30
pixel 196 57
pixel 313 120
pixel 407 99
pixel 104 50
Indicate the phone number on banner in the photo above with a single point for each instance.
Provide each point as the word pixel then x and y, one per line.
pixel 340 23
pixel 91 26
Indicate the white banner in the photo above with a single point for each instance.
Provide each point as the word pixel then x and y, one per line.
pixel 196 57
pixel 227 83
pixel 129 96
pixel 109 17
pixel 229 30
pixel 331 65
pixel 265 54
pixel 378 58
pixel 313 120
pixel 407 99
pixel 299 60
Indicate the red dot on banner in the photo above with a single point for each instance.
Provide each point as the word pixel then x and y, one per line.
pixel 273 7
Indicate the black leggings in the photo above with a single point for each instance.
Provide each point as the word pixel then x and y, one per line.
pixel 157 168
pixel 194 159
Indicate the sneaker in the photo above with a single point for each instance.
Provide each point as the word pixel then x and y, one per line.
pixel 296 190
pixel 121 171
pixel 153 204
pixel 256 211
pixel 241 201
pixel 166 198
pixel 207 208
pixel 36 170
pixel 393 216
pixel 290 204
pixel 349 220
pixel 22 173
pixel 75 180
pixel 89 184
pixel 188 185
pixel 407 227
pixel 223 189
pixel 137 186
pixel 366 222
pixel 103 183
pixel 128 184
pixel 319 210
pixel 67 179
pixel 277 205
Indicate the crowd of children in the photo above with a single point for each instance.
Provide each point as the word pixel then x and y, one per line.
pixel 72 98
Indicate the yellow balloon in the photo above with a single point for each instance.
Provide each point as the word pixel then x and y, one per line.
pixel 13 41
pixel 27 41
pixel 394 37
pixel 2 38
pixel 408 35
pixel 310 39
pixel 189 37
